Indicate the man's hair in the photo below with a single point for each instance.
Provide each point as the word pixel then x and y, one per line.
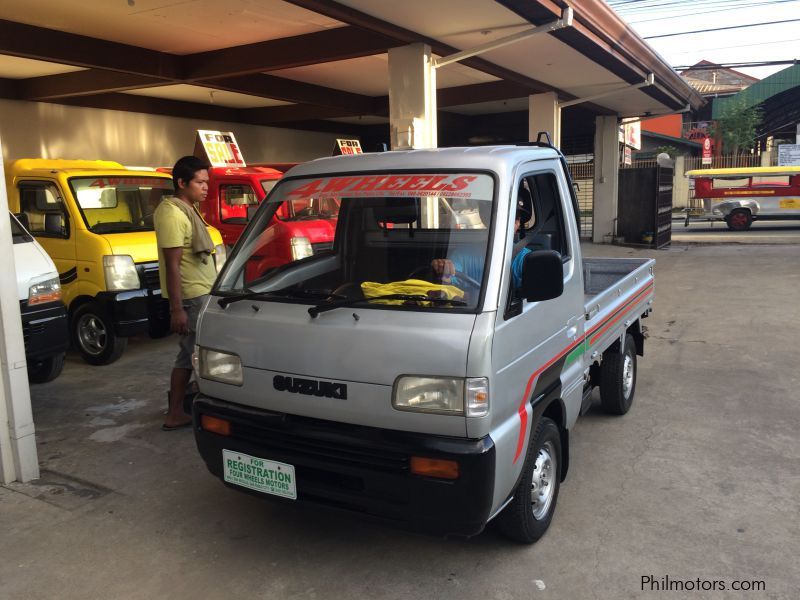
pixel 185 169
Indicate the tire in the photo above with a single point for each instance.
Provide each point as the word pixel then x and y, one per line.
pixel 739 219
pixel 94 337
pixel 43 371
pixel 618 379
pixel 528 515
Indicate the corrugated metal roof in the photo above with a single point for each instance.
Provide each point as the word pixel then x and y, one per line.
pixel 706 88
pixel 761 91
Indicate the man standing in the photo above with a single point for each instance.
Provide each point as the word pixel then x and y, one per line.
pixel 186 271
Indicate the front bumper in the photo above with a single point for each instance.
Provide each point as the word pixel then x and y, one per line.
pixel 360 469
pixel 44 329
pixel 137 311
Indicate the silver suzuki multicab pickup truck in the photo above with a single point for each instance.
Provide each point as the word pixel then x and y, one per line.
pixel 421 369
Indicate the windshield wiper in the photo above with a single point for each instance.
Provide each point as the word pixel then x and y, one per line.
pixel 325 307
pixel 248 294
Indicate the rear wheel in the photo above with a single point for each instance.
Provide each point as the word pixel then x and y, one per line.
pixel 618 379
pixel 94 336
pixel 739 219
pixel 528 515
pixel 42 371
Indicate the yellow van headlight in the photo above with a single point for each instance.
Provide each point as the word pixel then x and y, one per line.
pixel 120 273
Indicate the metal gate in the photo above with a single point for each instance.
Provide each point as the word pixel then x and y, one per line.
pixel 581 168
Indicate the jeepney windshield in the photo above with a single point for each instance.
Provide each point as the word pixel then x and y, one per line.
pixel 409 235
pixel 119 204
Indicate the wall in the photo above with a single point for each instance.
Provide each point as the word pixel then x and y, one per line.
pixel 667 125
pixel 43 130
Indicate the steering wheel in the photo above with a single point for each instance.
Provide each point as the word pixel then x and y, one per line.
pixel 427 273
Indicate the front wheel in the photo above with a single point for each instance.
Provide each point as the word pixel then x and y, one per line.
pixel 43 371
pixel 618 379
pixel 94 336
pixel 739 219
pixel 528 515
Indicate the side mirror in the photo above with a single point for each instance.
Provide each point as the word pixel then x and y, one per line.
pixel 23 220
pixel 542 276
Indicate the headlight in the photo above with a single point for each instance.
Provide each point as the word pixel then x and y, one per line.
pixel 301 247
pixel 120 273
pixel 443 395
pixel 44 291
pixel 220 256
pixel 219 366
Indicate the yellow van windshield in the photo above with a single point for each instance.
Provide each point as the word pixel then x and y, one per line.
pixel 119 204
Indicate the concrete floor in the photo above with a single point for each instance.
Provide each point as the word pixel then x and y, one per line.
pixel 700 480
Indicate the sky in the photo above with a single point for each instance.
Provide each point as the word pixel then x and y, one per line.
pixel 768 42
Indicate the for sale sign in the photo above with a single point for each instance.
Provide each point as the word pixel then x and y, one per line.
pixel 348 147
pixel 219 147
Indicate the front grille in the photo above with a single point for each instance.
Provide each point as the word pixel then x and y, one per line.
pixel 148 275
pixel 318 448
pixel 31 329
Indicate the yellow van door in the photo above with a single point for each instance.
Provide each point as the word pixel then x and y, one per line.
pixel 49 221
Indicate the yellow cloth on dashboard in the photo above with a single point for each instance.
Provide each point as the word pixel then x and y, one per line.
pixel 416 287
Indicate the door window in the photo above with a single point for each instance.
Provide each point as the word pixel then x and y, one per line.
pixel 234 200
pixel 44 207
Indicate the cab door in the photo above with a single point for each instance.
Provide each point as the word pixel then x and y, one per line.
pixel 235 199
pixel 49 220
pixel 537 346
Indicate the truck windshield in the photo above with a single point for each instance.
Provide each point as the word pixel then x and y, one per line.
pixel 119 204
pixel 395 240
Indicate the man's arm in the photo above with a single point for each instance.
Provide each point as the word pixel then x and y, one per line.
pixel 178 320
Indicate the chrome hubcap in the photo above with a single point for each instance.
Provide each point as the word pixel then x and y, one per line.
pixel 92 334
pixel 627 376
pixel 543 486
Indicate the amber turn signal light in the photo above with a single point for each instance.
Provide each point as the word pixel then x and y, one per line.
pixel 215 425
pixel 434 467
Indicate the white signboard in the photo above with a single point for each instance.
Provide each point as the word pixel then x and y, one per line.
pixel 789 155
pixel 349 146
pixel 220 148
pixel 630 134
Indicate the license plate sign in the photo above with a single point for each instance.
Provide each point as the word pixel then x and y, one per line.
pixel 259 474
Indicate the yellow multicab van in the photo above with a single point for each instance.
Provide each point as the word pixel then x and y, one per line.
pixel 95 220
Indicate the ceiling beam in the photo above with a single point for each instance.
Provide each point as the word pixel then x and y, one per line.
pixel 9 89
pixel 155 106
pixel 84 83
pixel 38 43
pixel 329 45
pixel 481 92
pixel 280 88
pixel 269 115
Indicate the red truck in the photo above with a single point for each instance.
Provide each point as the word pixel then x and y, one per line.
pixel 301 228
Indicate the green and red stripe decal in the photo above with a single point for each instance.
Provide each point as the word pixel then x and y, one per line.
pixel 572 352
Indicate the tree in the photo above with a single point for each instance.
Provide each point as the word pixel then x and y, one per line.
pixel 738 125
